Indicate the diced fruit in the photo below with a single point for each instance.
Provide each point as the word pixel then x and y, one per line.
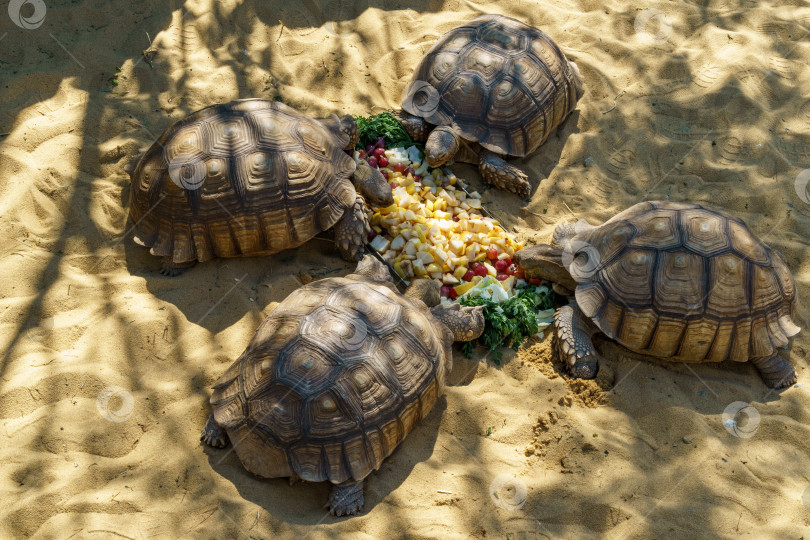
pixel 382 160
pixel 501 277
pixel 372 162
pixel 445 290
pixel 500 265
pixel 361 154
pixel 464 287
pixel 468 275
pixel 519 273
pixel 379 151
pixel 399 167
pixel 380 143
pixel 453 294
pixel 492 254
pixel 490 269
pixel 481 270
pixel 370 149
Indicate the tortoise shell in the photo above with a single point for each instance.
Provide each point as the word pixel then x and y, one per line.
pixel 333 380
pixel 684 282
pixel 496 81
pixel 249 177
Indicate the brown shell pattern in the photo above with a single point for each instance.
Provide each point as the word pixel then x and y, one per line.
pixel 499 82
pixel 683 282
pixel 332 382
pixel 248 177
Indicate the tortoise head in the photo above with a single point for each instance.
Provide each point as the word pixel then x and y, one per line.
pixel 465 323
pixel 545 262
pixel 372 185
pixel 442 144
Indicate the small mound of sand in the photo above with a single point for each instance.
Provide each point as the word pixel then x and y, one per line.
pixel 590 393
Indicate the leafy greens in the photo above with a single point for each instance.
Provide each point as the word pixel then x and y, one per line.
pixel 508 322
pixel 383 125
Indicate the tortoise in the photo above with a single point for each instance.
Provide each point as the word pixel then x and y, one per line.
pixel 251 177
pixel 669 280
pixel 336 377
pixel 490 88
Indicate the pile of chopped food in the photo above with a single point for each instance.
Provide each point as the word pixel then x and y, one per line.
pixel 437 229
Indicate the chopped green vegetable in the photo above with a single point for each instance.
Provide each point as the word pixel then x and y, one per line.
pixel 383 125
pixel 510 321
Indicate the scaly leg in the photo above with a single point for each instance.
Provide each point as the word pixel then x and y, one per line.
pixel 346 499
pixel 351 231
pixel 573 332
pixel 213 434
pixel 776 372
pixel 417 127
pixel 501 174
pixel 172 269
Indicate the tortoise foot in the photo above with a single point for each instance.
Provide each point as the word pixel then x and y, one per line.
pixel 503 175
pixel 346 499
pixel 171 269
pixel 351 232
pixel 213 434
pixel 776 372
pixel 573 343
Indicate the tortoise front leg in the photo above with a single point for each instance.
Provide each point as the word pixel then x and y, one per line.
pixel 172 269
pixel 346 499
pixel 351 231
pixel 501 174
pixel 776 372
pixel 417 128
pixel 213 434
pixel 572 332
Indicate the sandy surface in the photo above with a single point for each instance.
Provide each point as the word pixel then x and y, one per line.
pixel 711 108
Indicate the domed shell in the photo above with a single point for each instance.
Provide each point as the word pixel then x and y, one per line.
pixel 683 282
pixel 249 177
pixel 332 382
pixel 498 82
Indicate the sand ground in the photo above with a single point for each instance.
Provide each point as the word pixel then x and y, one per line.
pixel 705 103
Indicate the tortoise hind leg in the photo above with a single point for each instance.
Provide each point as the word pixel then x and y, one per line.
pixel 346 499
pixel 776 372
pixel 351 231
pixel 213 434
pixel 503 175
pixel 572 332
pixel 172 269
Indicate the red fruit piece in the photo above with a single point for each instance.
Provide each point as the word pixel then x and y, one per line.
pixel 370 149
pixel 383 161
pixel 372 234
pixel 399 167
pixel 361 154
pixel 372 162
pixel 501 266
pixel 511 269
pixel 452 294
pixel 501 277
pixel 468 276
pixel 492 254
pixel 445 290
pixel 379 152
pixel 534 281
pixel 481 271
pixel 380 143
pixel 519 273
